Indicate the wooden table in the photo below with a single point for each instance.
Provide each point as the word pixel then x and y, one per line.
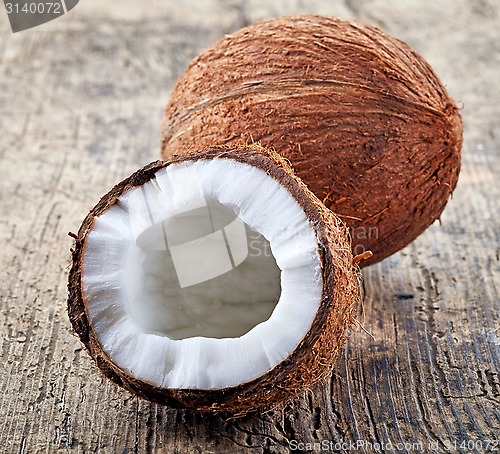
pixel 80 105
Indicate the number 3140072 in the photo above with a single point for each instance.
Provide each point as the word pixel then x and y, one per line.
pixel 34 8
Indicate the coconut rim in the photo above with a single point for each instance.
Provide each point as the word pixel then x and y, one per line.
pixel 224 398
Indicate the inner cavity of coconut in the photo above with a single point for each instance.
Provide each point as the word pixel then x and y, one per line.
pixel 199 272
pixel 205 277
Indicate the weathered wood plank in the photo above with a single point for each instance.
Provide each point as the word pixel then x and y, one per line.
pixel 80 105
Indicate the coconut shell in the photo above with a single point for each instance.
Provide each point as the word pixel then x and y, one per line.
pixel 363 118
pixel 317 352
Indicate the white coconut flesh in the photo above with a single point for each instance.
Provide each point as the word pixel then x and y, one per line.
pixel 206 277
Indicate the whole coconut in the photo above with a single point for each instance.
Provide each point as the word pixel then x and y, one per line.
pixel 362 117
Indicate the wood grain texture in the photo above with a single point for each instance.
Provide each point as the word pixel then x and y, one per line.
pixel 81 101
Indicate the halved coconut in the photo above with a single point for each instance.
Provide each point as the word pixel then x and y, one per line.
pixel 215 281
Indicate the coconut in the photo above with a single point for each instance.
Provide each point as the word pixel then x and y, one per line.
pixel 363 118
pixel 214 281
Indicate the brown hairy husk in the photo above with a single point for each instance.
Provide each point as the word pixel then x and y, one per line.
pixel 363 118
pixel 312 360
